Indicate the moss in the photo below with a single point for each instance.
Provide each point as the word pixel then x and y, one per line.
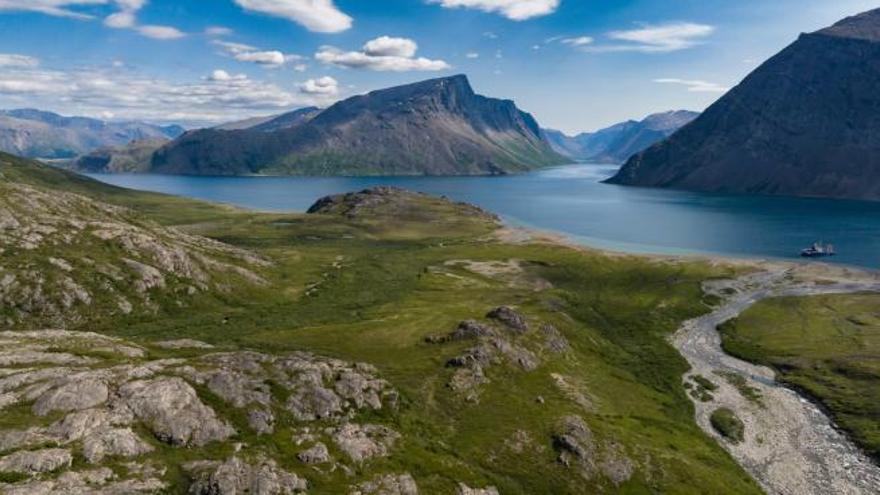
pixel 728 425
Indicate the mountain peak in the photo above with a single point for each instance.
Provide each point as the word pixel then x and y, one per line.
pixel 864 26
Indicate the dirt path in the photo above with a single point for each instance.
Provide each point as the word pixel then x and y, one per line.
pixel 791 446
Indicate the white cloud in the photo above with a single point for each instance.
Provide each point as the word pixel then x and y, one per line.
pixel 218 31
pixel 320 16
pixel 661 38
pixel 695 86
pixel 13 60
pixel 381 54
pixel 326 86
pixel 160 32
pixel 517 10
pixel 60 8
pixel 271 59
pixel 578 41
pixel 472 55
pixel 386 46
pixel 220 75
pixel 219 97
pixel 120 20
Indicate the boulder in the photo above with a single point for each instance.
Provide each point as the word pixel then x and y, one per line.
pixel 389 484
pixel 116 442
pixel 318 454
pixel 510 318
pixel 362 442
pixel 36 461
pixel 237 477
pixel 75 395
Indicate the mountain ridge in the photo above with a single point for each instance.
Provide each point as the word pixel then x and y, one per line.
pixel 804 123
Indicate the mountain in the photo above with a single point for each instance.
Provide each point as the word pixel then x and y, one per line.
pixel 435 127
pixel 272 122
pixel 617 143
pixel 132 157
pixel 805 123
pixel 38 134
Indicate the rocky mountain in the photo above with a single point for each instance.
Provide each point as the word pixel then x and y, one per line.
pixel 272 122
pixel 38 134
pixel 435 127
pixel 805 123
pixel 617 143
pixel 131 158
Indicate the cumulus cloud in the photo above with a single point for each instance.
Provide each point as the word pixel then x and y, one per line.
pixel 14 60
pixel 59 8
pixel 695 86
pixel 661 38
pixel 160 32
pixel 517 10
pixel 320 16
pixel 271 59
pixel 381 54
pixel 325 86
pixel 218 97
pixel 126 18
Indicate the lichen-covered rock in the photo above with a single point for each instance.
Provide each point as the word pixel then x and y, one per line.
pixel 574 442
pixel 261 421
pixel 510 318
pixel 117 442
pixel 74 395
pixel 389 484
pixel 172 410
pixel 470 329
pixel 362 442
pixel 237 477
pixel 466 490
pixel 36 461
pixel 317 454
pixel 183 344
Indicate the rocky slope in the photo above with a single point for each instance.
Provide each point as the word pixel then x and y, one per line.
pixel 38 134
pixel 65 257
pixel 804 123
pixel 617 143
pixel 436 127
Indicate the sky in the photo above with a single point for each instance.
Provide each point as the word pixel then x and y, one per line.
pixel 577 65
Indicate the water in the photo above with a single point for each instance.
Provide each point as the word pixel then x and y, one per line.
pixel 571 201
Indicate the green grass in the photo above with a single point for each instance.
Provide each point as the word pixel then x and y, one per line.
pixel 372 289
pixel 728 425
pixel 827 346
pixel 739 382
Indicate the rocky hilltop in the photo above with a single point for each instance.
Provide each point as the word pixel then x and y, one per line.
pixel 436 127
pixel 617 143
pixel 805 123
pixel 38 134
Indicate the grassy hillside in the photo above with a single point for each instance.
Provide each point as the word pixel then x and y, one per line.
pixel 571 389
pixel 825 345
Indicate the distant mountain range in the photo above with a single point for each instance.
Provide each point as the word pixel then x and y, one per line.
pixel 805 123
pixel 38 134
pixel 617 143
pixel 435 127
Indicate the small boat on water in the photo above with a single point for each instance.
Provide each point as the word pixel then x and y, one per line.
pixel 818 250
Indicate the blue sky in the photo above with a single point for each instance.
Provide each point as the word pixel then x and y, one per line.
pixel 575 64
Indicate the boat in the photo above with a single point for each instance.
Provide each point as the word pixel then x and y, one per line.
pixel 818 250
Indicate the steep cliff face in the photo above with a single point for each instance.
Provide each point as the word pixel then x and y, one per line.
pixel 805 123
pixel 436 127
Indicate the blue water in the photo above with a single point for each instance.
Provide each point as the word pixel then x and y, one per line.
pixel 571 201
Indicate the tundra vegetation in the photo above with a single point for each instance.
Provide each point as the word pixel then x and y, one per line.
pixel 387 342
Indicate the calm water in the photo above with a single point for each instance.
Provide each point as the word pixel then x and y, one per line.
pixel 570 200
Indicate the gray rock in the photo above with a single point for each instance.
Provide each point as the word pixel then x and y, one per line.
pixel 480 355
pixel 183 344
pixel 236 477
pixel 554 340
pixel 238 388
pixel 313 402
pixel 389 484
pixel 117 442
pixel 73 396
pixel 510 318
pixel 466 490
pixel 318 454
pixel 36 461
pixel 261 421
pixel 362 442
pixel 173 412
pixel 470 329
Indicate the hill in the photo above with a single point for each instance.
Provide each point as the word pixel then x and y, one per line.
pixel 804 123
